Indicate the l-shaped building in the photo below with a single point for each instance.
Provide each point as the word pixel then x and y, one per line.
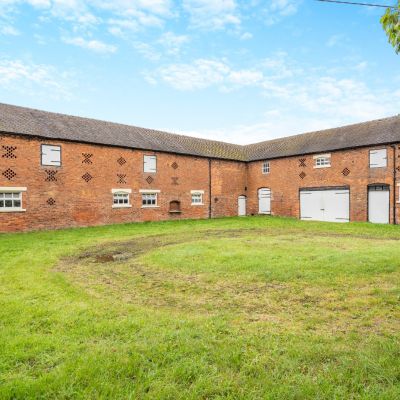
pixel 59 171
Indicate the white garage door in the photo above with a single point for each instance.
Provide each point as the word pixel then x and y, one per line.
pixel 331 205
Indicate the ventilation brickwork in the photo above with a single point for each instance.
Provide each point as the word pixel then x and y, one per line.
pixel 302 175
pixel 346 172
pixel 87 177
pixel 121 178
pixel 51 202
pixel 174 165
pixel 149 180
pixel 51 176
pixel 9 174
pixel 302 162
pixel 121 161
pixel 87 158
pixel 9 152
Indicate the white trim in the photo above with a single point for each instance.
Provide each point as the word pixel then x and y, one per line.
pixel 322 155
pixel 121 191
pixel 150 206
pixel 197 192
pixel 12 210
pixel 122 206
pixel 322 166
pixel 398 199
pixel 149 191
pixel 12 189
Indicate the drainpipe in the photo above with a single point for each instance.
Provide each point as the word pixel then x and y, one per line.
pixel 394 184
pixel 209 190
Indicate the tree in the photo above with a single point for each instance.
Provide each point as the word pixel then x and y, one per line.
pixel 391 24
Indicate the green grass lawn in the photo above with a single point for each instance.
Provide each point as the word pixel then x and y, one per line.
pixel 250 308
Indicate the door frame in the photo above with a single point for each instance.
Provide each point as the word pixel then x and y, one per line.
pixel 270 200
pixel 323 188
pixel 371 185
pixel 243 196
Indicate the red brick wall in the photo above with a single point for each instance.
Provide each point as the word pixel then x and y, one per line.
pixel 284 181
pixel 80 203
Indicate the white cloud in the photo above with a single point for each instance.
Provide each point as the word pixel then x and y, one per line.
pixel 9 30
pixel 297 98
pixel 278 9
pixel 93 45
pixel 33 79
pixel 172 42
pixel 212 14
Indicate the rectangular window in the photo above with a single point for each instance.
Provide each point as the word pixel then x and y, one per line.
pixel 197 197
pixel 51 155
pixel 11 199
pixel 378 158
pixel 322 161
pixel 121 198
pixel 265 167
pixel 149 199
pixel 150 164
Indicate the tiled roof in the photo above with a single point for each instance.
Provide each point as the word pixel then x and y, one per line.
pixel 381 131
pixel 30 122
pixel 26 121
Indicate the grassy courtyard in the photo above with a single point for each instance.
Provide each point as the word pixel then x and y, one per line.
pixel 251 308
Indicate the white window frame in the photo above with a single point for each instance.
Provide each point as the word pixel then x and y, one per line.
pixel 146 163
pixel 322 161
pixel 13 191
pixel 155 193
pixel 398 199
pixel 266 167
pixel 196 193
pixel 50 148
pixel 117 193
pixel 384 158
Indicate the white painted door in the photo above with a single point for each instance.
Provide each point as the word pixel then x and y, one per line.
pixel 241 206
pixel 378 204
pixel 331 205
pixel 264 201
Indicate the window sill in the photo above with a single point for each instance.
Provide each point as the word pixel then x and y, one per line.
pixel 150 206
pixel 197 204
pixel 322 166
pixel 8 210
pixel 122 206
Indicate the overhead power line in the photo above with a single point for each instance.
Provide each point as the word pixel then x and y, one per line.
pixel 352 3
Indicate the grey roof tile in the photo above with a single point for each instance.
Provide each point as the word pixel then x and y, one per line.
pixel 26 121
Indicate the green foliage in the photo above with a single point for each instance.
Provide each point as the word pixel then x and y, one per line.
pixel 391 24
pixel 236 308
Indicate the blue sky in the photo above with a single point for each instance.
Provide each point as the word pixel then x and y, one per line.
pixel 239 71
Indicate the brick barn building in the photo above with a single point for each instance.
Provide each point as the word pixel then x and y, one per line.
pixel 59 171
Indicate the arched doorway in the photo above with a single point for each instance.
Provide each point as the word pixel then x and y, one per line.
pixel 242 200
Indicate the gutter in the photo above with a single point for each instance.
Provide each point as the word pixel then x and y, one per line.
pixel 394 184
pixel 209 189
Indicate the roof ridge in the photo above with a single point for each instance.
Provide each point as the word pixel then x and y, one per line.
pixel 121 124
pixel 325 130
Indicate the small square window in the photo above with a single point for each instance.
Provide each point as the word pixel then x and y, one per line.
pixel 197 198
pixel 150 164
pixel 266 167
pixel 121 198
pixel 51 155
pixel 10 201
pixel 149 199
pixel 322 161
